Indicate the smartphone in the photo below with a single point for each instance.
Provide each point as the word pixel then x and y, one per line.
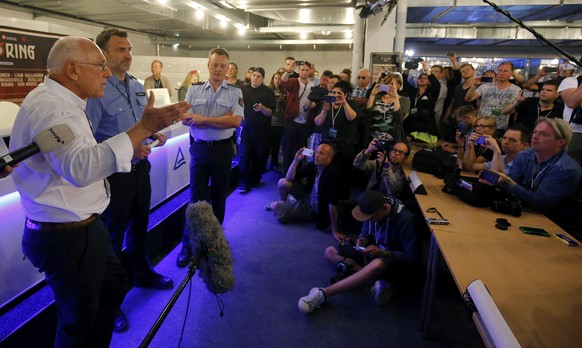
pixel 307 152
pixel 565 239
pixel 360 248
pixel 384 88
pixel 464 128
pixel 255 105
pixel 486 79
pixel 299 62
pixel 450 54
pixel 489 176
pixel 329 98
pixel 550 69
pixel 527 94
pixel 534 230
pixel 383 74
pixel 481 140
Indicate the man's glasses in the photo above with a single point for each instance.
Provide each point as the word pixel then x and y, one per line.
pixel 400 152
pixel 102 66
pixel 361 77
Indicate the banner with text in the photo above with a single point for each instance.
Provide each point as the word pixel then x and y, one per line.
pixel 23 57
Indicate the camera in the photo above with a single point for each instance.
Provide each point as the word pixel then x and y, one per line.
pixel 317 93
pixel 299 62
pixel 507 207
pixel 383 145
pixel 550 69
pixel 413 63
pixel 486 79
pixel 329 98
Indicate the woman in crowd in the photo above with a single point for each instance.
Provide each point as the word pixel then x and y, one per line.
pixel 277 120
pixel 422 102
pixel 338 127
pixel 192 77
pixel 387 110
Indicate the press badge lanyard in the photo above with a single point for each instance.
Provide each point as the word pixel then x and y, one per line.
pixel 126 95
pixel 537 176
pixel 333 117
pixel 378 229
pixel 548 114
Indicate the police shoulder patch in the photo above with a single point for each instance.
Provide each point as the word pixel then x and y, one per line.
pixel 241 102
pixel 233 85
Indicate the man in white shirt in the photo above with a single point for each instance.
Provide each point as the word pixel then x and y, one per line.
pixel 571 92
pixel 64 192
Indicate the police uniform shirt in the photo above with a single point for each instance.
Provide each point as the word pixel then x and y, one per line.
pixel 206 102
pixel 119 109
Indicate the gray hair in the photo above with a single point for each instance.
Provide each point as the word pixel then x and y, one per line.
pixel 562 129
pixel 65 49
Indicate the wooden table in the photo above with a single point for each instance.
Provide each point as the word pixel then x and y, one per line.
pixel 535 281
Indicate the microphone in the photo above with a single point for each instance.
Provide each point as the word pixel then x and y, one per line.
pixel 46 141
pixel 209 247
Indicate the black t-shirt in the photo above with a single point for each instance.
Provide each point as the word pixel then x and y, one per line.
pixel 251 96
pixel 528 112
pixel 459 95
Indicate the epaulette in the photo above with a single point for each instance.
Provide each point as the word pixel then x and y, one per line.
pixel 198 83
pixel 132 77
pixel 233 85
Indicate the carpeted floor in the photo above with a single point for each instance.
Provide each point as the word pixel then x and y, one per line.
pixel 274 266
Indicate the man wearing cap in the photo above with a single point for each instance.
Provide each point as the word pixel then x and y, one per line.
pixel 564 71
pixel 388 243
pixel 260 102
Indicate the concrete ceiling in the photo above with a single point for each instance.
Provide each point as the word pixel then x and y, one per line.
pixel 271 24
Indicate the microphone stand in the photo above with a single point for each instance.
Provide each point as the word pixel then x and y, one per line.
pixel 152 333
pixel 535 33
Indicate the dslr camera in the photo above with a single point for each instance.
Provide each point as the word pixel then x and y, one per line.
pixel 413 63
pixel 507 207
pixel 384 146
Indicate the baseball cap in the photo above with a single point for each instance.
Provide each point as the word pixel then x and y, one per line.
pixel 260 70
pixel 369 203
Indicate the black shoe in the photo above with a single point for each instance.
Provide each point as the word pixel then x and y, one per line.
pixel 121 323
pixel 243 189
pixel 184 257
pixel 154 280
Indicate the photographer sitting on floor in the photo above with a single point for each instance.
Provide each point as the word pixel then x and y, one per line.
pixel 387 246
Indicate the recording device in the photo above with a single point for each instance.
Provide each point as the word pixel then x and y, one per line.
pixel 413 63
pixel 486 79
pixel 464 128
pixel 550 69
pixel 209 247
pixel 317 93
pixel 535 231
pixel 299 62
pixel 360 248
pixel 481 140
pixel 527 94
pixel 383 145
pixel 464 184
pixel 255 105
pixel 384 88
pixel 383 74
pixel 329 98
pixel 507 207
pixel 48 140
pixel 489 176
pixel 154 143
pixel 434 221
pixel 450 54
pixel 307 152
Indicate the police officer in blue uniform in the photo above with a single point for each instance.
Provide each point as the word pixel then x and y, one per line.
pixel 217 109
pixel 121 107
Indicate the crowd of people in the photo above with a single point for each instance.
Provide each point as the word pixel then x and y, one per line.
pixel 332 135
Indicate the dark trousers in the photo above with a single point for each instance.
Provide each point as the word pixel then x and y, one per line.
pixel 254 152
pixel 127 216
pixel 86 277
pixel 209 165
pixel 275 145
pixel 294 137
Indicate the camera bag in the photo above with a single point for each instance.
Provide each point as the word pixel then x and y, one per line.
pixel 479 195
pixel 435 162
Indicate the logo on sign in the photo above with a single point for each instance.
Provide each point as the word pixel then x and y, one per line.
pixel 180 160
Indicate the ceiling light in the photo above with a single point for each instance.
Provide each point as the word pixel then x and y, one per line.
pixel 303 35
pixel 223 24
pixel 241 31
pixel 325 32
pixel 199 14
pixel 348 34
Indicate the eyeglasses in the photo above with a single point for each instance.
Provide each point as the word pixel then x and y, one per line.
pixel 400 152
pixel 482 126
pixel 102 66
pixel 362 77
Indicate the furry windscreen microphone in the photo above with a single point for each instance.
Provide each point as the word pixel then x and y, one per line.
pixel 46 141
pixel 209 247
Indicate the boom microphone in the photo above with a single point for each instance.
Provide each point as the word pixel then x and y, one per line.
pixel 209 247
pixel 46 141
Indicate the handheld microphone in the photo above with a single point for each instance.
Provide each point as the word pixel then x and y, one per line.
pixel 46 141
pixel 209 247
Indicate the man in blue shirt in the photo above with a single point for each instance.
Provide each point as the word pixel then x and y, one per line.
pixel 544 175
pixel 217 109
pixel 127 214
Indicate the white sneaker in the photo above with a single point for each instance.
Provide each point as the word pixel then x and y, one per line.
pixel 311 302
pixel 383 291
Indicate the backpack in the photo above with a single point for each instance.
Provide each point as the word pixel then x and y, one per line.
pixel 435 162
pixel 470 190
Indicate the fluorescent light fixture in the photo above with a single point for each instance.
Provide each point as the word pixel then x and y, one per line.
pixel 241 31
pixel 223 23
pixel 199 14
pixel 348 34
pixel 303 35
